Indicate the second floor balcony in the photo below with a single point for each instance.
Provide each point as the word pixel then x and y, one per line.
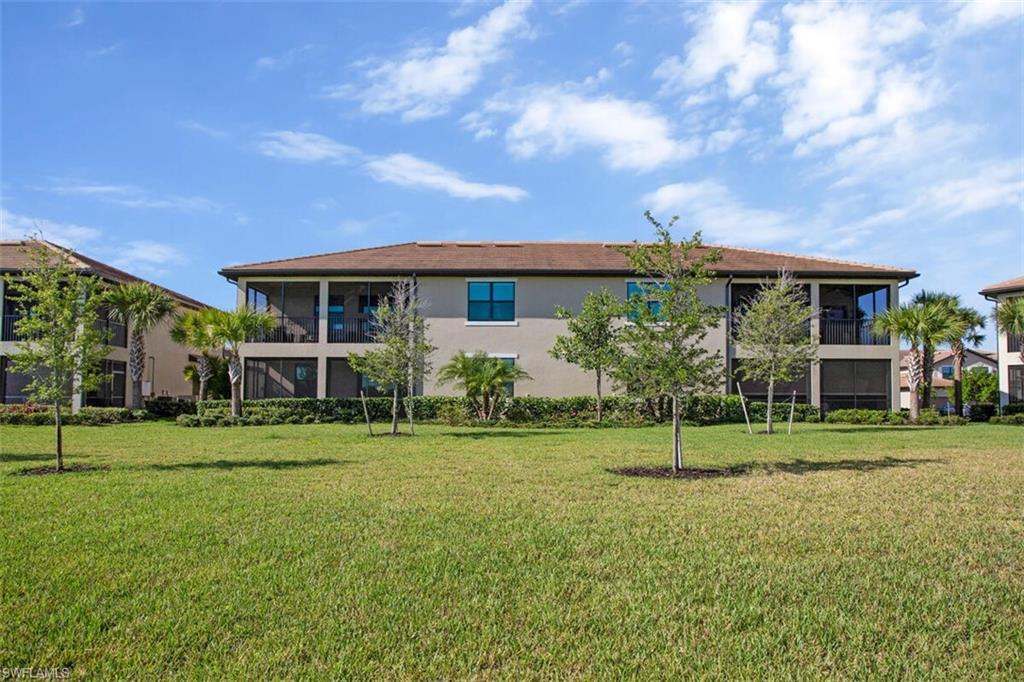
pixel 295 307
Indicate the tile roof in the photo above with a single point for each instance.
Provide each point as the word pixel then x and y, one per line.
pixel 1015 284
pixel 550 258
pixel 941 355
pixel 14 258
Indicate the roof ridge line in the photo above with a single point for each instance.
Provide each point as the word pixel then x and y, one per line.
pixel 315 255
pixel 827 259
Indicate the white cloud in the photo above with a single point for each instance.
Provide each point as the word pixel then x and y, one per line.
pixel 837 63
pixel 131 196
pixel 625 52
pixel 284 60
pixel 479 125
pixel 723 140
pixel 728 40
pixel 972 15
pixel 299 146
pixel 201 128
pixel 710 207
pixel 104 51
pixel 994 184
pixel 566 6
pixel 562 119
pixel 426 81
pixel 16 226
pixel 409 171
pixel 75 18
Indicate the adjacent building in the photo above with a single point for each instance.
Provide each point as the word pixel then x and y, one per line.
pixel 942 375
pixel 500 298
pixel 165 359
pixel 1008 347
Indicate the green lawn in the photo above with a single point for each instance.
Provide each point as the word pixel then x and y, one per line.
pixel 314 551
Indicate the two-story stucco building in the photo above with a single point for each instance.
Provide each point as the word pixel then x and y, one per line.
pixel 500 298
pixel 1008 346
pixel 165 360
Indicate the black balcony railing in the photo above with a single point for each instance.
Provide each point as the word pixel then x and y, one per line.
pixel 116 332
pixel 290 330
pixel 851 333
pixel 8 332
pixel 349 329
pixel 1014 343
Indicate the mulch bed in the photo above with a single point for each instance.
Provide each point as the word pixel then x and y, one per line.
pixel 689 473
pixel 72 469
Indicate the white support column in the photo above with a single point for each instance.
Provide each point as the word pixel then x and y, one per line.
pixel 894 359
pixel 322 327
pixel 815 396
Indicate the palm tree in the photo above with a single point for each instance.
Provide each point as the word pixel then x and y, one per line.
pixel 965 331
pixel 1009 317
pixel 482 377
pixel 141 307
pixel 920 326
pixel 231 330
pixel 944 303
pixel 194 330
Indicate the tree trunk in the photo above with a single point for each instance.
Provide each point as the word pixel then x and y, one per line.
pixel 677 441
pixel 771 399
pixel 366 412
pixel 205 370
pixel 914 369
pixel 599 414
pixel 136 366
pixel 408 407
pixel 926 379
pixel 394 411
pixel 60 436
pixel 235 374
pixel 958 377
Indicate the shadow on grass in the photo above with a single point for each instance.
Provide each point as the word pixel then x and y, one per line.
pixel 880 429
pixel 509 433
pixel 33 457
pixel 798 467
pixel 228 464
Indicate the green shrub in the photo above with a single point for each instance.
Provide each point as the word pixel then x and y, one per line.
pixel 1016 419
pixel 169 408
pixel 981 412
pixel 1013 408
pixel 41 415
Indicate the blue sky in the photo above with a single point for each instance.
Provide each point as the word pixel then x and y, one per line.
pixel 174 139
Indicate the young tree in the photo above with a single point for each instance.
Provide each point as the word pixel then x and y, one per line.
pixel 980 386
pixel 483 379
pixel 592 342
pixel 965 331
pixel 231 330
pixel 1009 317
pixel 664 354
pixel 402 358
pixel 140 306
pixel 921 326
pixel 218 385
pixel 194 330
pixel 773 331
pixel 61 349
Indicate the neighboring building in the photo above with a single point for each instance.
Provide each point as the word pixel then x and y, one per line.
pixel 942 376
pixel 1008 347
pixel 500 298
pixel 165 359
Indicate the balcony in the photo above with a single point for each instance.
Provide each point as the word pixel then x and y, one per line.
pixel 296 308
pixel 8 331
pixel 290 330
pixel 1014 343
pixel 851 333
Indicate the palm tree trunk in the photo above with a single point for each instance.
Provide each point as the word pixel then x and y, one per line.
pixel 599 415
pixel 136 365
pixel 205 370
pixel 235 374
pixel 60 436
pixel 677 440
pixel 771 396
pixel 914 371
pixel 958 376
pixel 926 379
pixel 394 411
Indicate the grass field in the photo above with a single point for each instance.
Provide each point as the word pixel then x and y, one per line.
pixel 314 551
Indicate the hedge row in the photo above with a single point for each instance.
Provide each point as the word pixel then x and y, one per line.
pixel 1015 419
pixel 886 418
pixel 535 411
pixel 42 415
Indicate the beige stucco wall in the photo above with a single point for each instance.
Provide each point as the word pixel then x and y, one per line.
pixel 532 334
pixel 1007 358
